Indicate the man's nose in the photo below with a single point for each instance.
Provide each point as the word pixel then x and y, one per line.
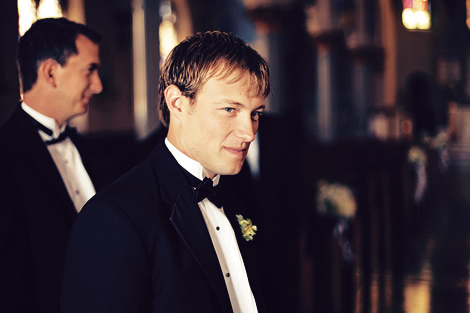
pixel 96 85
pixel 247 130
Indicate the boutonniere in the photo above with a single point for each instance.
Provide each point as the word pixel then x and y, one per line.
pixel 248 229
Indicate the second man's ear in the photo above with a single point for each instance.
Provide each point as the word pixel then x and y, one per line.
pixel 47 72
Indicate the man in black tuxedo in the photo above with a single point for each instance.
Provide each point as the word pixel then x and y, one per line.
pixel 44 179
pixel 170 235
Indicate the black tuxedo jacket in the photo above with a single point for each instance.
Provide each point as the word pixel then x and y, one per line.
pixel 36 214
pixel 141 245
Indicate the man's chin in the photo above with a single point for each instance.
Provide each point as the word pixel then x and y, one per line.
pixel 234 171
pixel 84 109
pixel 79 114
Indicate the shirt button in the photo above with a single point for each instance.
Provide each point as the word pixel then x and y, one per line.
pixel 77 192
pixel 217 228
pixel 227 275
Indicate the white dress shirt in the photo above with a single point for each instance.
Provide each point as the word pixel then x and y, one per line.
pixel 67 159
pixel 224 241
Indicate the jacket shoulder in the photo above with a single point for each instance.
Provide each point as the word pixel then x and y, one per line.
pixel 135 195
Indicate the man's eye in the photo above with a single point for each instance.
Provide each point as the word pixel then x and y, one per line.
pixel 257 114
pixel 229 110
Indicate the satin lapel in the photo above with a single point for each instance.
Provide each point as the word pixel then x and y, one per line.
pixel 189 223
pixel 31 145
pixel 187 219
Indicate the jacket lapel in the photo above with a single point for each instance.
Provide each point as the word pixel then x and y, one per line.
pixel 41 159
pixel 187 219
pixel 189 223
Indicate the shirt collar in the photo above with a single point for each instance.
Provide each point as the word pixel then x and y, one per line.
pixel 47 121
pixel 192 166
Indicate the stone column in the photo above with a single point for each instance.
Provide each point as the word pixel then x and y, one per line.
pixel 349 63
pixel 367 83
pixel 268 21
pixel 284 42
pixel 323 25
pixel 328 39
pixel 367 67
pixel 146 19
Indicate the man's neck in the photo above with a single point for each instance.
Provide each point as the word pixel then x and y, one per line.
pixel 190 165
pixel 38 103
pixel 44 120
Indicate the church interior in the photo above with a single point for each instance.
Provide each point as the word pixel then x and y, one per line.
pixel 362 167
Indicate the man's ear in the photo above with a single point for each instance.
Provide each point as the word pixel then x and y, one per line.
pixel 47 72
pixel 174 100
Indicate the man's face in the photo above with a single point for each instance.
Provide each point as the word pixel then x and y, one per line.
pixel 78 80
pixel 219 126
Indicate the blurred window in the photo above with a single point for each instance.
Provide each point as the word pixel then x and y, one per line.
pixel 167 30
pixel 28 13
pixel 416 14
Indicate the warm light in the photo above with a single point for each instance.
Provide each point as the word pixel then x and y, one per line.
pixel 407 127
pixel 423 19
pixel 168 39
pixel 167 31
pixel 417 291
pixel 416 14
pixel 468 13
pixel 409 19
pixel 26 15
pixel 49 8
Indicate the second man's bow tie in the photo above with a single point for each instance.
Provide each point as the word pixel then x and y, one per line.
pixel 67 131
pixel 63 135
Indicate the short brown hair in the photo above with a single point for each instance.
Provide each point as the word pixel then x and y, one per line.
pixel 202 56
pixel 49 38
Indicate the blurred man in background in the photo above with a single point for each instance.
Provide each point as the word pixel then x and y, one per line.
pixel 44 175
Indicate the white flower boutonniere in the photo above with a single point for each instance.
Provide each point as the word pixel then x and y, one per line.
pixel 248 229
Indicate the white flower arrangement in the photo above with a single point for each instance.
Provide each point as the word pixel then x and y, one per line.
pixel 438 142
pixel 335 199
pixel 417 156
pixel 247 228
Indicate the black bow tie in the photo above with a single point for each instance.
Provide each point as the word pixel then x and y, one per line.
pixel 63 135
pixel 205 189
pixel 67 131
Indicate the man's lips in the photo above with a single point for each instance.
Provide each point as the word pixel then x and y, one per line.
pixel 237 151
pixel 87 98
